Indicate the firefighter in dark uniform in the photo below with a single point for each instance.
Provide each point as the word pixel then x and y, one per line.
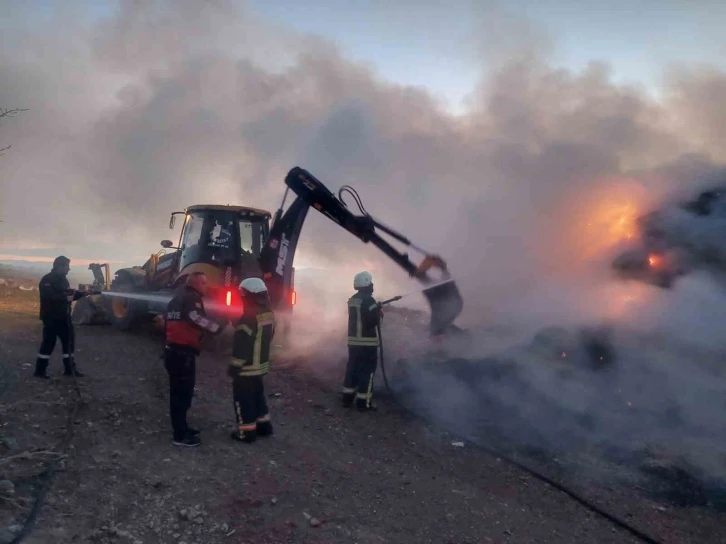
pixel 364 316
pixel 251 361
pixel 56 297
pixel 186 326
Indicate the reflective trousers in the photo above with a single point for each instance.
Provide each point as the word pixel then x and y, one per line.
pixel 52 330
pixel 359 373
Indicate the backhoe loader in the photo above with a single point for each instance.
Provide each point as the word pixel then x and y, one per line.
pixel 231 243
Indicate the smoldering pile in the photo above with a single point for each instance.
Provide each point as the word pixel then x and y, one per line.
pixel 683 236
pixel 587 397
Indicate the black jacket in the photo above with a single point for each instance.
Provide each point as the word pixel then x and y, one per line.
pixel 364 316
pixel 252 342
pixel 54 292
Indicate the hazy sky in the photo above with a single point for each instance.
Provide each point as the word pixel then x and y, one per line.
pixel 139 108
pixel 434 44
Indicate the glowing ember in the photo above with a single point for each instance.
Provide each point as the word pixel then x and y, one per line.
pixel 654 260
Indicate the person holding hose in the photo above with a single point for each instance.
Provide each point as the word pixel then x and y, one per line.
pixel 364 317
pixel 56 298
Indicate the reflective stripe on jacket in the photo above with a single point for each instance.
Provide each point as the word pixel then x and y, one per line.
pixel 253 341
pixel 186 320
pixel 364 315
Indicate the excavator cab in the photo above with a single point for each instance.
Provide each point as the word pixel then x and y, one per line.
pixel 217 237
pixel 224 242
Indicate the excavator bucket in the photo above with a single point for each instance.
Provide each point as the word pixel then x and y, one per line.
pixel 444 297
pixel 446 305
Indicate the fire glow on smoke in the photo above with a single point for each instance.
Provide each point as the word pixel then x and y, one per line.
pixel 611 219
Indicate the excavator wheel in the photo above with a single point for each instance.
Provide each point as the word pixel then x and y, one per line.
pixel 125 313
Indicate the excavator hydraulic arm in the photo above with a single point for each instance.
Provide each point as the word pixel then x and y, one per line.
pixel 443 296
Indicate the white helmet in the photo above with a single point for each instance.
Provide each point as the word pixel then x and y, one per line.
pixel 362 279
pixel 253 285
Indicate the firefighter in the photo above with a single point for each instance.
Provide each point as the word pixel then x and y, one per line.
pixel 56 297
pixel 364 316
pixel 250 362
pixel 186 327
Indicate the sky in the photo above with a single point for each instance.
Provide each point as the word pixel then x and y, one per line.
pixel 482 131
pixel 639 39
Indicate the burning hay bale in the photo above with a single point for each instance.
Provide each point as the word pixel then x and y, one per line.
pixel 677 239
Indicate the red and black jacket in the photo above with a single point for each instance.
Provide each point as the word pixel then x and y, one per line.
pixel 186 320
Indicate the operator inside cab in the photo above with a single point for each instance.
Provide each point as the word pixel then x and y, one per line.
pixel 364 317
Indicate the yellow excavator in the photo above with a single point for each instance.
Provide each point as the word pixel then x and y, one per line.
pixel 231 243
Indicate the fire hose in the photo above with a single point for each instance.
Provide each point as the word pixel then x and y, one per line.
pixel 491 451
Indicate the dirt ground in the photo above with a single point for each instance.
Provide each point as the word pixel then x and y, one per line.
pixel 328 474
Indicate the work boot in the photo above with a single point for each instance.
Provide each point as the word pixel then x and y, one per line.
pixel 41 368
pixel 264 428
pixel 188 441
pixel 193 432
pixel 346 399
pixel 70 369
pixel 248 437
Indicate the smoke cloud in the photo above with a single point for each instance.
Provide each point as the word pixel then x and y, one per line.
pixel 528 195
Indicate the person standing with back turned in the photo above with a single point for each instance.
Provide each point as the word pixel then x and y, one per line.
pixel 251 361
pixel 56 297
pixel 185 328
pixel 364 316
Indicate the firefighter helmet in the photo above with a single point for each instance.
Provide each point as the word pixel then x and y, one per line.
pixel 253 285
pixel 362 280
pixel 254 289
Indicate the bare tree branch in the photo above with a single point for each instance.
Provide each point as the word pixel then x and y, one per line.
pixel 8 113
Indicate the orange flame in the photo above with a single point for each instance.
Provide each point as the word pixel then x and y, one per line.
pixel 610 223
pixel 592 222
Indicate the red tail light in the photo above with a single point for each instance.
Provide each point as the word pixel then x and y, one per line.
pixel 293 298
pixel 229 298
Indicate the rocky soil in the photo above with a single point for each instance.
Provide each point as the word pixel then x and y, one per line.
pixel 328 474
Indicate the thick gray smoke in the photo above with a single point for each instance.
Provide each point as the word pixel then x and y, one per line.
pixel 528 196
